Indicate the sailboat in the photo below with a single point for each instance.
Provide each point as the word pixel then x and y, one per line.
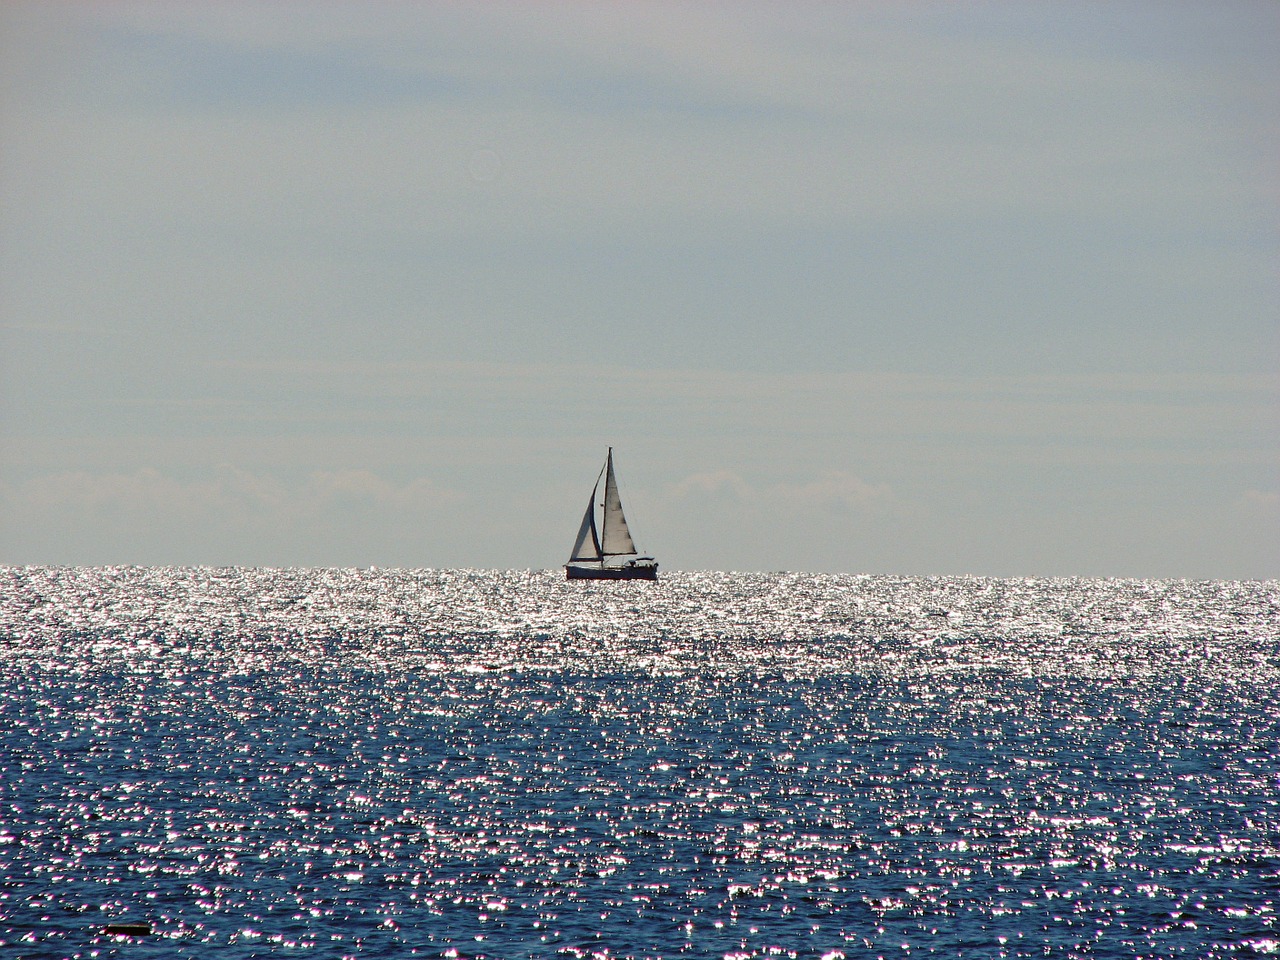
pixel 607 552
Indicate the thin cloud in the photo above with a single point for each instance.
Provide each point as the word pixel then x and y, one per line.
pixel 1175 418
pixel 962 150
pixel 231 492
pixel 1263 502
pixel 715 484
pixel 837 490
pixel 830 490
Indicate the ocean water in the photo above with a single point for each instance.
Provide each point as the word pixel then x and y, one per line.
pixel 333 763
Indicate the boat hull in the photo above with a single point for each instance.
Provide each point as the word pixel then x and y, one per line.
pixel 612 573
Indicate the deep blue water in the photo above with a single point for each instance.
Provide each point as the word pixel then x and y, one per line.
pixel 336 763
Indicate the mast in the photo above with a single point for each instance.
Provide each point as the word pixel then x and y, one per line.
pixel 608 483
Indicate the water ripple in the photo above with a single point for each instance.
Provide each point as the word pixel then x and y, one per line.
pixel 470 763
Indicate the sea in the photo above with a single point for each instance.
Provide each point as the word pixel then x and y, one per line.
pixel 201 762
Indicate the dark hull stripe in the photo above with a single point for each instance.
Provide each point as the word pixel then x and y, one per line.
pixel 621 573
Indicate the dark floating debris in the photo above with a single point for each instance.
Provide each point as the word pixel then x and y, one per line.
pixel 128 929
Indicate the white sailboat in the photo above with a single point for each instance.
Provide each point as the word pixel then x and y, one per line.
pixel 607 552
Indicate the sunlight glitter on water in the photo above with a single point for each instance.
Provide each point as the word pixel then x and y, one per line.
pixel 500 765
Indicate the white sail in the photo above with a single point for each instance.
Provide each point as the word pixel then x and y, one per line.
pixel 617 540
pixel 587 546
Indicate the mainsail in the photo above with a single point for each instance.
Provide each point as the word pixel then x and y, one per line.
pixel 617 540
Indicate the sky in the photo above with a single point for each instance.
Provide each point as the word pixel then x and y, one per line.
pixel 883 288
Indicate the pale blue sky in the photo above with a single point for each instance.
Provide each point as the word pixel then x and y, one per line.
pixel 882 288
